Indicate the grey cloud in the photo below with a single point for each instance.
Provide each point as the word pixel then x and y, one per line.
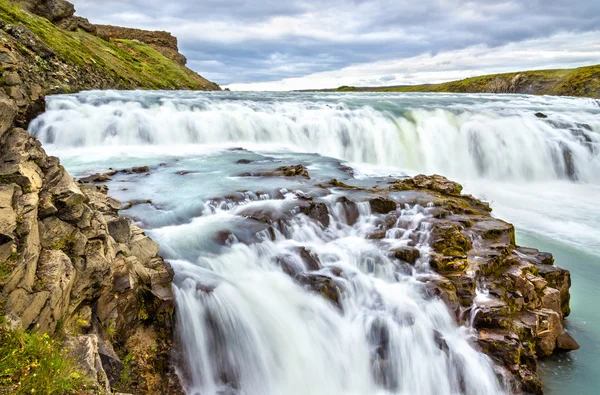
pixel 268 40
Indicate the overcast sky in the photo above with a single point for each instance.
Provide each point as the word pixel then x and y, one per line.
pixel 280 45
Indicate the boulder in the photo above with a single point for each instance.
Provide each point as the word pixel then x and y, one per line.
pixel 381 205
pixel 565 342
pixel 406 254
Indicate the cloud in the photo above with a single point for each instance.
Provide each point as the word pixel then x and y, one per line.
pixel 272 40
pixel 557 51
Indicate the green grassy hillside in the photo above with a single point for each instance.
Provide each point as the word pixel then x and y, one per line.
pixel 131 63
pixel 582 81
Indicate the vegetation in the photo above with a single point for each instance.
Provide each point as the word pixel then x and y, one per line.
pixel 133 64
pixel 582 81
pixel 31 363
pixel 346 88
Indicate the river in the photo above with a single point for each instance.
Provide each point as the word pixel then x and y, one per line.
pixel 535 159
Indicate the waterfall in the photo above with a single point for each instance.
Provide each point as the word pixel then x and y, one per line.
pixel 245 324
pixel 249 319
pixel 465 140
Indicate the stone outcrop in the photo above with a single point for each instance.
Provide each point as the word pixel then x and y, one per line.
pixel 59 12
pixel 62 14
pixel 72 264
pixel 69 264
pixel 523 298
pixel 163 42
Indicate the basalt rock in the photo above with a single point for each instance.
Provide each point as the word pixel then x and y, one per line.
pixel 68 257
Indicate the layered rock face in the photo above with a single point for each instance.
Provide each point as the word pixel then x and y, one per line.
pixel 72 264
pixel 62 14
pixel 69 264
pixel 523 296
pixel 163 42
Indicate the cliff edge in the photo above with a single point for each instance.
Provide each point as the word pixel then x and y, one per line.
pixel 74 275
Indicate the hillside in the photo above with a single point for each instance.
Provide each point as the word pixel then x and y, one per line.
pixel 582 81
pixel 128 64
pixel 74 275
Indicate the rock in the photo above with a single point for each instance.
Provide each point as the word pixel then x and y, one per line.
pixel 84 349
pixel 12 78
pixel 317 212
pixel 95 178
pixel 244 161
pixel 142 246
pixel 540 115
pixel 551 299
pixel 435 183
pixel 311 261
pixel 284 171
pixel 8 111
pixel 565 342
pixel 406 254
pixel 142 169
pixel 350 209
pixel 76 22
pixel 380 205
pixel 323 285
pixel 119 229
pixel 30 40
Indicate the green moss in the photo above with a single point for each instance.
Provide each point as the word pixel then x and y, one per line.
pixel 123 383
pixel 130 64
pixel 582 81
pixel 451 242
pixel 33 363
pixel 65 244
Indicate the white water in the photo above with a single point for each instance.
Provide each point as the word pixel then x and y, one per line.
pixel 490 137
pixel 258 330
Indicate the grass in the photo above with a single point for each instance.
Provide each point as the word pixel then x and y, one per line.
pixel 132 64
pixel 582 81
pixel 35 364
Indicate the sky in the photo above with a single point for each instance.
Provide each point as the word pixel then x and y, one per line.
pixel 313 44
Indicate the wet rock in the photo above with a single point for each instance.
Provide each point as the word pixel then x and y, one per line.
pixel 142 169
pixel 244 161
pixel 406 254
pixel 448 239
pixel 283 171
pixel 323 285
pixel 435 183
pixel 318 212
pixel 310 259
pixel 381 205
pixel 350 209
pixel 540 115
pixel 377 234
pixel 565 342
pixel 95 178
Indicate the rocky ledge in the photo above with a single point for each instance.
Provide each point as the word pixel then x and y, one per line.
pixel 513 297
pixel 72 266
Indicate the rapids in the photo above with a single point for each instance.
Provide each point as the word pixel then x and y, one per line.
pixel 245 326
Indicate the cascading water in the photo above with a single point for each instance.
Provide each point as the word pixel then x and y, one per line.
pixel 248 325
pixel 494 138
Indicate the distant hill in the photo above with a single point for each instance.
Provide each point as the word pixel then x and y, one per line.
pixel 582 81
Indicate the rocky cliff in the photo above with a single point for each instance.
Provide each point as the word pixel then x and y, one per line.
pixel 163 42
pixel 70 266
